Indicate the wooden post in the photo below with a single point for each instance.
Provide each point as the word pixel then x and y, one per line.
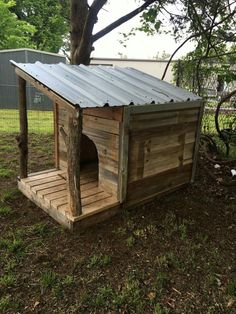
pixel 73 144
pixel 124 152
pixel 56 135
pixel 23 137
pixel 197 141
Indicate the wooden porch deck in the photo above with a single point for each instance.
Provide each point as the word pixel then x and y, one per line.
pixel 48 190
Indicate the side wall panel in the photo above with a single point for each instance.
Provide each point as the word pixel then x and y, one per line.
pixel 161 150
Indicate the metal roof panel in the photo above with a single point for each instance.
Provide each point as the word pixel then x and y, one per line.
pixel 96 86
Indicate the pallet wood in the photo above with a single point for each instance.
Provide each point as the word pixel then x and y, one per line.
pixel 106 113
pixel 49 191
pixel 124 155
pixel 104 133
pixel 161 149
pixel 153 185
pixel 142 151
pixel 165 107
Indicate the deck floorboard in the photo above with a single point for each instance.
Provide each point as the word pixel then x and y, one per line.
pixel 50 188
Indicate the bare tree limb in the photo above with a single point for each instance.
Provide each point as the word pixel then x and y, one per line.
pixel 122 20
pixel 194 36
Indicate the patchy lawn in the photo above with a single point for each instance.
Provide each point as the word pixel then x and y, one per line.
pixel 174 255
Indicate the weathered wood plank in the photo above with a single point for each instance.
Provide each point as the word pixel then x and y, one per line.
pixel 124 155
pixel 164 130
pixel 64 200
pixel 56 134
pixel 106 113
pixel 91 192
pixel 44 180
pixel 53 189
pixel 40 202
pixel 88 186
pixel 102 204
pixel 100 195
pixel 40 187
pixel 42 174
pixel 152 185
pixel 165 107
pixel 55 195
pixel 105 125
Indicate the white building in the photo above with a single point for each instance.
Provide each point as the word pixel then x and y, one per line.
pixel 152 67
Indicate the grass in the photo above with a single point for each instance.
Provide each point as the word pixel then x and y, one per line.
pixel 38 121
pixel 5 211
pixel 7 280
pixel 13 245
pixel 165 257
pixel 231 288
pixel 49 279
pixel 99 260
pixel 5 173
pixel 4 303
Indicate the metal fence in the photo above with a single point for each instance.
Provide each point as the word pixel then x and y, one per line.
pixel 39 121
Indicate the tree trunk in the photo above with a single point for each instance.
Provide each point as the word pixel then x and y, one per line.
pixel 78 16
pixel 23 137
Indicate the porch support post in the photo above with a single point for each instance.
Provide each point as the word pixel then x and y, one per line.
pixel 73 161
pixel 23 137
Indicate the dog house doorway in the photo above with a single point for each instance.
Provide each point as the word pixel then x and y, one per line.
pixel 89 162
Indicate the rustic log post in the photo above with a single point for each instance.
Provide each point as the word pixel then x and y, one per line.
pixel 23 137
pixel 73 143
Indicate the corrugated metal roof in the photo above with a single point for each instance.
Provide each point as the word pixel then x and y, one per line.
pixel 96 86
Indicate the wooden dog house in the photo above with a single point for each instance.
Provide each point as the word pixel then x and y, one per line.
pixel 122 137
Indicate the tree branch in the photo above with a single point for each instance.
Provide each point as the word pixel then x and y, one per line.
pixel 194 36
pixel 122 20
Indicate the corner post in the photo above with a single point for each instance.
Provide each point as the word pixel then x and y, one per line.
pixel 23 137
pixel 124 154
pixel 73 159
pixel 197 141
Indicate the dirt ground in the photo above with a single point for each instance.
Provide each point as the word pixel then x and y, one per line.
pixel 176 254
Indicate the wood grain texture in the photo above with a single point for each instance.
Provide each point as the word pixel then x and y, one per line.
pixel 104 133
pixel 123 155
pixel 160 151
pixel 49 191
pixel 56 134
pixel 23 137
pixel 115 113
pixel 158 183
pixel 73 161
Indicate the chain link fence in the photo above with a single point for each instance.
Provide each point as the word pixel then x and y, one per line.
pixel 213 81
pixel 39 121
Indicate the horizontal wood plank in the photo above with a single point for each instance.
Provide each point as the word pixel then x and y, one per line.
pixel 155 184
pixel 105 125
pixel 106 113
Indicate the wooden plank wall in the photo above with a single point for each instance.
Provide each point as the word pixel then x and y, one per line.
pixel 102 127
pixel 63 119
pixel 161 149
